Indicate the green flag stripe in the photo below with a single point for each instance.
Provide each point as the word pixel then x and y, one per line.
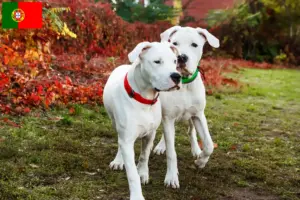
pixel 7 9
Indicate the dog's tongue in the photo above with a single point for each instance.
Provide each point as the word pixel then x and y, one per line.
pixel 176 87
pixel 181 65
pixel 183 70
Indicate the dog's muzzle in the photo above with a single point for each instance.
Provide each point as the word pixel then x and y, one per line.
pixel 176 87
pixel 181 67
pixel 182 59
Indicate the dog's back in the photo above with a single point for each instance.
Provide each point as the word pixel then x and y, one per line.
pixel 110 91
pixel 116 77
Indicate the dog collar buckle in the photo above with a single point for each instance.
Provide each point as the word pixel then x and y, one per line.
pixel 155 100
pixel 131 94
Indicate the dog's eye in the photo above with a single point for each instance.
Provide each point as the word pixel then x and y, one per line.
pixel 157 61
pixel 194 45
pixel 175 43
pixel 175 61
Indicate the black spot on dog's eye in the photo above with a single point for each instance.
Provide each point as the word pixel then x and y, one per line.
pixel 157 61
pixel 175 43
pixel 194 45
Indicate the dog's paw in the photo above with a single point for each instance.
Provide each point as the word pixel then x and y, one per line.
pixel 144 175
pixel 144 178
pixel 196 151
pixel 201 161
pixel 116 165
pixel 171 180
pixel 160 149
pixel 137 197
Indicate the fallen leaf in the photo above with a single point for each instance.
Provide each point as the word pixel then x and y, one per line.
pixel 33 165
pixel 233 147
pixel 55 118
pixel 90 173
pixel 201 145
pixel 216 145
pixel 72 111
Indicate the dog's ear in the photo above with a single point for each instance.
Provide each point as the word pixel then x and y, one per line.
pixel 136 52
pixel 212 40
pixel 165 36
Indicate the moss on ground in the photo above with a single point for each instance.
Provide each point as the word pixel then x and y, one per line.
pixel 56 155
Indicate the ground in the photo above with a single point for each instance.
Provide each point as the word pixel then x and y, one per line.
pixel 58 155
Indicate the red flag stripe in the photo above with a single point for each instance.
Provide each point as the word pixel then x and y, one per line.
pixel 33 14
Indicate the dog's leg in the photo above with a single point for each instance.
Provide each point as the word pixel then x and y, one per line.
pixel 208 146
pixel 127 150
pixel 143 169
pixel 117 163
pixel 160 147
pixel 193 139
pixel 171 178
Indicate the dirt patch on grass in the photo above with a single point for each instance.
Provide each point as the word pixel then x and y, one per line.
pixel 247 194
pixel 257 156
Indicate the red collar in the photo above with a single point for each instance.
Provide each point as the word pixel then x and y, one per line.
pixel 137 96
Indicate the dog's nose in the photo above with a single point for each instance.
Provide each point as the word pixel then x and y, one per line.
pixel 182 58
pixel 175 77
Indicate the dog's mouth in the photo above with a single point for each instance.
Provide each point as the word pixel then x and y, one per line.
pixel 176 87
pixel 182 69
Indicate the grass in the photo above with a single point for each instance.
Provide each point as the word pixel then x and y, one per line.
pixel 58 155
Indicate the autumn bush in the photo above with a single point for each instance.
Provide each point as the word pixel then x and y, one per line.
pixel 49 66
pixel 70 58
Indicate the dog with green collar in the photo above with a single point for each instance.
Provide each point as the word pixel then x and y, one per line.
pixel 189 102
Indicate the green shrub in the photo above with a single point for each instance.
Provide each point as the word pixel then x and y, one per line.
pixel 131 11
pixel 259 30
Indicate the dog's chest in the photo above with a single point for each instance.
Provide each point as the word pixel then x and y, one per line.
pixel 183 105
pixel 189 108
pixel 148 121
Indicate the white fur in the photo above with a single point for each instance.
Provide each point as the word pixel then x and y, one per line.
pixel 132 119
pixel 188 103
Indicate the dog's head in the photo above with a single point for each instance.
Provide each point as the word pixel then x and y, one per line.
pixel 158 62
pixel 189 41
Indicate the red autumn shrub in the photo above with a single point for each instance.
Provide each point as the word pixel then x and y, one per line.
pixel 29 77
pixel 100 32
pixel 40 68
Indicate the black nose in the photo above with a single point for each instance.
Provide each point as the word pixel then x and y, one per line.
pixel 175 77
pixel 182 58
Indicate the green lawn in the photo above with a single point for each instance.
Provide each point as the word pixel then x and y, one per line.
pixel 56 155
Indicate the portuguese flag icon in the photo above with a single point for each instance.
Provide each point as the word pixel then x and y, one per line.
pixel 21 15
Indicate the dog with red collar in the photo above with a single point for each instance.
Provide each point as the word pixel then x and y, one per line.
pixel 131 100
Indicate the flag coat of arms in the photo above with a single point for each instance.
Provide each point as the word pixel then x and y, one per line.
pixel 21 15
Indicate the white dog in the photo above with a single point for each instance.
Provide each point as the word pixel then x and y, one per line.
pixel 189 102
pixel 131 100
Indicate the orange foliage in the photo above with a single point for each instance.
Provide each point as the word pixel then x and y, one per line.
pixel 40 68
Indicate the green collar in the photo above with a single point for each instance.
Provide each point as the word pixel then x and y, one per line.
pixel 186 80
